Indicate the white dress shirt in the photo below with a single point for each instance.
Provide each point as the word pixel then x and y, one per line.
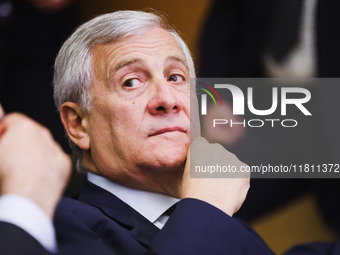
pixel 27 215
pixel 149 204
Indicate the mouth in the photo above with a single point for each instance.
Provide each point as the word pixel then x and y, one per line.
pixel 168 130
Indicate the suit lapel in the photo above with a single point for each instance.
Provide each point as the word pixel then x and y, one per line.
pixel 140 228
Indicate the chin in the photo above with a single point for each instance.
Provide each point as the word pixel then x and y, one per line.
pixel 167 155
pixel 175 162
pixel 174 165
pixel 166 161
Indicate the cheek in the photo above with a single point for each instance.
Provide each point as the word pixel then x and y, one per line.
pixel 127 122
pixel 131 114
pixel 101 135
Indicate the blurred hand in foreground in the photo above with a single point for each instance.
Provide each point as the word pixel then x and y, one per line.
pixel 32 164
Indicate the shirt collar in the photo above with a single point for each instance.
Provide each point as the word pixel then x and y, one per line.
pixel 149 204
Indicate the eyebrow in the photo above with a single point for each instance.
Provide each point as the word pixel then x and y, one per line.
pixel 124 63
pixel 177 59
pixel 128 62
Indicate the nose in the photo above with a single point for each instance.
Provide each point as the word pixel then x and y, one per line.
pixel 164 100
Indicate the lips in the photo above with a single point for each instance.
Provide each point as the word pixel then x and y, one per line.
pixel 168 130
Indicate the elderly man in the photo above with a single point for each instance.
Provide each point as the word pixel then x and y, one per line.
pixel 122 84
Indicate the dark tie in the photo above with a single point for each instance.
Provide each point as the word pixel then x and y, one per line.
pixel 284 28
pixel 170 210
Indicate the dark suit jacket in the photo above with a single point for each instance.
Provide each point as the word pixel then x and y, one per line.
pixel 15 241
pixel 102 220
pixel 100 223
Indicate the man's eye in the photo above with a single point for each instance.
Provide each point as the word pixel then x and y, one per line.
pixel 132 83
pixel 176 78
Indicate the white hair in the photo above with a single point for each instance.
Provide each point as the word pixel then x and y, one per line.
pixel 73 69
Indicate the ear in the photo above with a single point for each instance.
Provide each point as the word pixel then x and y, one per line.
pixel 75 124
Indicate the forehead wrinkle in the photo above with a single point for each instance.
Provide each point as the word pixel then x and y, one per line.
pixel 114 48
pixel 131 48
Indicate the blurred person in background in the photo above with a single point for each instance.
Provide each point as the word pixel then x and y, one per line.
pixel 279 39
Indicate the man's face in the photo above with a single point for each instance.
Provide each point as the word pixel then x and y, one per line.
pixel 139 123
